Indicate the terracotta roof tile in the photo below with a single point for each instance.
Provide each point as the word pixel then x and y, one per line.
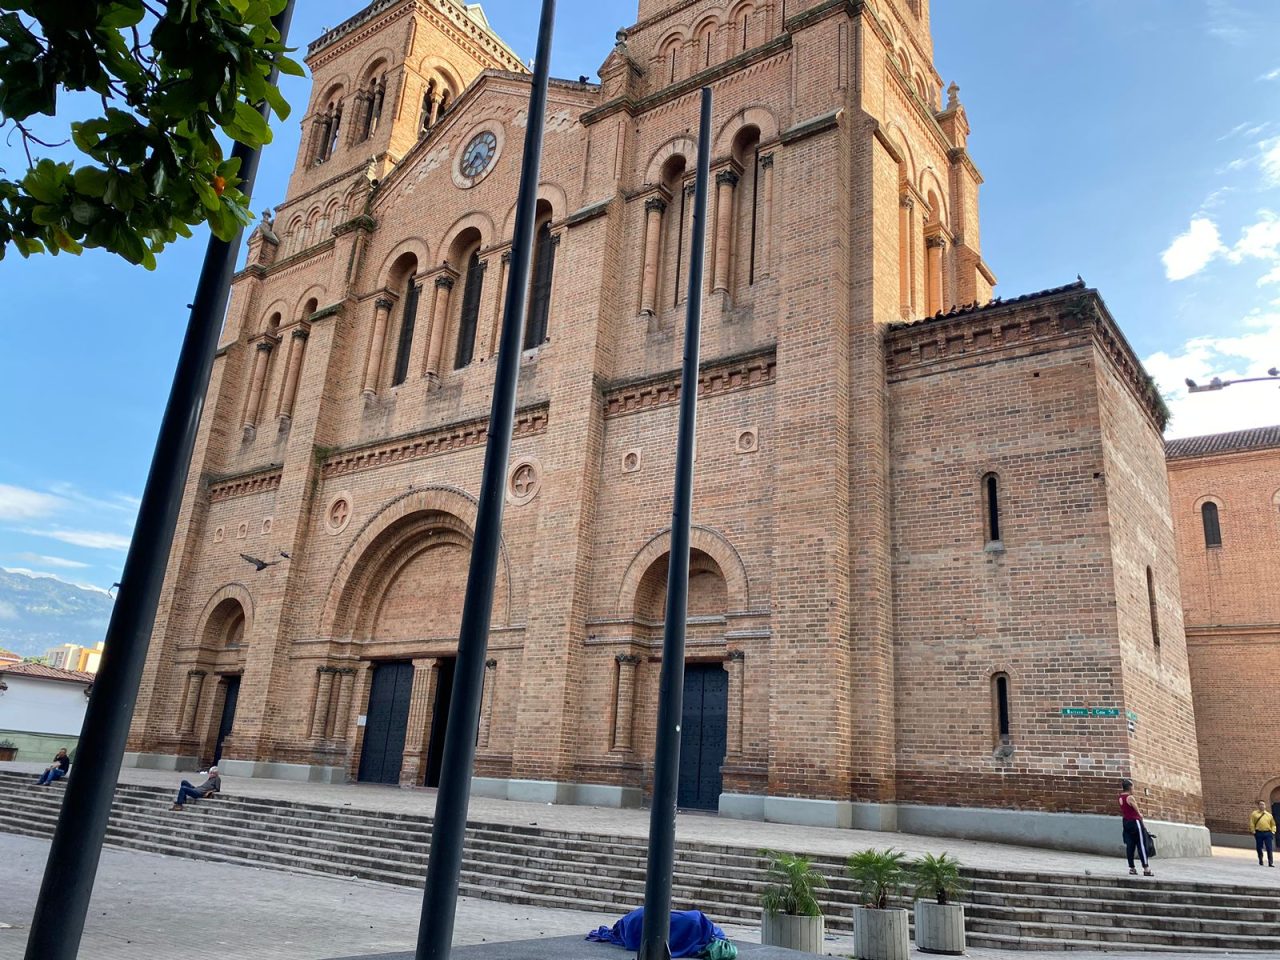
pixel 973 308
pixel 1260 438
pixel 39 671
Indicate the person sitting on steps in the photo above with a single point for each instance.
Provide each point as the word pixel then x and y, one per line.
pixel 189 792
pixel 1134 829
pixel 56 770
pixel 1263 827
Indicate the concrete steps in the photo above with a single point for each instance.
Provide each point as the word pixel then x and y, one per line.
pixel 539 867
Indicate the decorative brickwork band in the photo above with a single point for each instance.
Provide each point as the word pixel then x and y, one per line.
pixel 377 346
pixel 191 700
pixel 486 701
pixel 654 208
pixel 624 708
pixel 320 710
pixel 726 182
pixel 734 666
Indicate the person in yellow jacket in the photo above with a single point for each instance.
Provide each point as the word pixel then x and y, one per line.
pixel 1263 826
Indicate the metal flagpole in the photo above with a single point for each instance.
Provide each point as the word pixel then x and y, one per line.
pixel 666 762
pixel 69 873
pixel 449 826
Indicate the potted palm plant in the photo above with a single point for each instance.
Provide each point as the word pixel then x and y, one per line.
pixel 939 922
pixel 880 932
pixel 792 917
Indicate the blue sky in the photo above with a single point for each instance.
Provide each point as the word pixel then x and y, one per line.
pixel 1134 142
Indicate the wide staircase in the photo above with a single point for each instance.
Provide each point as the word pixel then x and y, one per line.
pixel 548 868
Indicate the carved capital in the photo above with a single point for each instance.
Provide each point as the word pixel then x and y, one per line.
pixel 907 202
pixel 266 346
pixel 491 664
pixel 736 656
pixel 727 177
pixel 197 673
pixel 937 240
pixel 627 659
pixel 444 282
pixel 506 258
pixel 690 188
pixel 556 238
pixel 382 303
pixel 301 334
pixel 482 265
pixel 766 161
pixel 655 205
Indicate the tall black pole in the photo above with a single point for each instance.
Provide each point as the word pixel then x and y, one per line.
pixel 69 873
pixel 449 826
pixel 666 761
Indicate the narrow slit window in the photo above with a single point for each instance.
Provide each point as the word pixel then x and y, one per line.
pixel 544 265
pixel 1151 604
pixel 1212 528
pixel 1000 691
pixel 405 345
pixel 991 499
pixel 755 214
pixel 470 312
pixel 684 198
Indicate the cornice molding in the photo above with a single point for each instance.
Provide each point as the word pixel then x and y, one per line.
pixel 715 377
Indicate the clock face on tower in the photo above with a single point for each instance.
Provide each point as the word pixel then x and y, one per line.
pixel 479 155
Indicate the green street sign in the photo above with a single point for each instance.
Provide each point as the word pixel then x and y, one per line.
pixel 1075 711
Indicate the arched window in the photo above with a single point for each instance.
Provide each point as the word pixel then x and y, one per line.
pixel 470 311
pixel 429 109
pixel 706 40
pixel 544 265
pixel 412 294
pixel 1000 711
pixel 991 507
pixel 1212 529
pixel 1151 603
pixel 375 98
pixel 746 150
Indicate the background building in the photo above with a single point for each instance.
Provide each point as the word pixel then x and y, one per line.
pixel 933 581
pixel 72 656
pixel 1226 508
pixel 41 708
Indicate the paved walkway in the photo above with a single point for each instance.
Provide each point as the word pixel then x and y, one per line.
pixel 1227 865
pixel 150 906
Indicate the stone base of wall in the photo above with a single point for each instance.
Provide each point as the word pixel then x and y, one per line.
pixel 1241 840
pixel 553 791
pixel 249 769
pixel 39 747
pixel 161 761
pixel 1082 832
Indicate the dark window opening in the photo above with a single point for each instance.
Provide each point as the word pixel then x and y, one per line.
pixel 406 334
pixel 684 200
pixel 1212 529
pixel 1001 687
pixel 755 213
pixel 470 312
pixel 544 265
pixel 991 491
pixel 1151 603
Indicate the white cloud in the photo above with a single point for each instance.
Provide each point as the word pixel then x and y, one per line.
pixel 1238 407
pixel 1271 75
pixel 89 539
pixel 1270 278
pixel 19 503
pixel 1270 159
pixel 1260 241
pixel 8 611
pixel 44 561
pixel 1194 250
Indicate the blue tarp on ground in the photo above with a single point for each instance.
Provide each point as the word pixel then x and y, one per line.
pixel 691 931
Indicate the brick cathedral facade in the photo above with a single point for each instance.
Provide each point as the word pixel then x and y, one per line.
pixel 934 582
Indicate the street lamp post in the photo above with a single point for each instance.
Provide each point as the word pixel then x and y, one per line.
pixel 1217 383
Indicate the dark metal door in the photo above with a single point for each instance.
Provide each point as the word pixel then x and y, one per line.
pixel 386 721
pixel 704 727
pixel 440 722
pixel 229 701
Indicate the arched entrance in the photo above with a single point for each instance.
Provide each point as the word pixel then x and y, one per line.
pixel 224 638
pixel 705 712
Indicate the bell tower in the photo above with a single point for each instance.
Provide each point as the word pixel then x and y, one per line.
pixel 382 79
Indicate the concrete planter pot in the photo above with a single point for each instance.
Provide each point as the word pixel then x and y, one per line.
pixel 8 753
pixel 795 933
pixel 940 927
pixel 881 934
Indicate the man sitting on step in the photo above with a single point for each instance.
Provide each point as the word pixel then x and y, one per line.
pixel 188 792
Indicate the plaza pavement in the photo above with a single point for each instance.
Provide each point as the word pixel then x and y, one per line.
pixel 1226 866
pixel 151 906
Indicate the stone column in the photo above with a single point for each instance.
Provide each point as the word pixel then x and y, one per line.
pixel 297 347
pixel 342 714
pixel 906 262
pixel 764 183
pixel 262 361
pixel 439 320
pixel 486 702
pixel 654 208
pixel 436 103
pixel 495 333
pixel 933 278
pixel 624 708
pixel 320 713
pixel 734 667
pixel 417 733
pixel 191 702
pixel 373 363
pixel 726 183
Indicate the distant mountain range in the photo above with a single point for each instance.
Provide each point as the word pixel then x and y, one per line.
pixel 37 613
